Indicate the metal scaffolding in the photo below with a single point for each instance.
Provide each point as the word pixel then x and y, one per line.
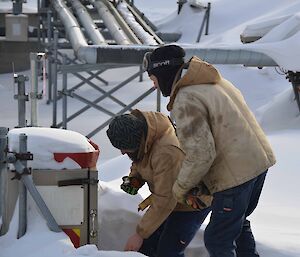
pixel 79 66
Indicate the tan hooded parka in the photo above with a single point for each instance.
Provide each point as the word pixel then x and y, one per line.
pixel 161 159
pixel 223 143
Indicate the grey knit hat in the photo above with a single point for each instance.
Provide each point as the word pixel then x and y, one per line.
pixel 126 131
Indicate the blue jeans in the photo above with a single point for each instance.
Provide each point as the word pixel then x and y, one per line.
pixel 174 235
pixel 228 233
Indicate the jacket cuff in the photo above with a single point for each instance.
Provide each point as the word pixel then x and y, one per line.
pixel 179 192
pixel 142 232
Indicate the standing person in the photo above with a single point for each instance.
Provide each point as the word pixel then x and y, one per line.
pixel 149 140
pixel 225 147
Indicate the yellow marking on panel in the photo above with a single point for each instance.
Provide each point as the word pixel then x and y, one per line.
pixel 76 231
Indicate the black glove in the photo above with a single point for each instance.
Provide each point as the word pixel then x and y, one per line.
pixel 131 185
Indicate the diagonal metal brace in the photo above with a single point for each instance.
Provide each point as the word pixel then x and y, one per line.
pixel 27 181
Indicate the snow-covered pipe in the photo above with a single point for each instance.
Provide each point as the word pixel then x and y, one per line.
pixel 88 23
pixel 133 54
pixel 127 30
pixel 110 22
pixel 144 24
pixel 71 25
pixel 143 16
pixel 144 36
pixel 74 33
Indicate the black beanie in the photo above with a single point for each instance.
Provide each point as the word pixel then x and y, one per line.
pixel 126 131
pixel 165 74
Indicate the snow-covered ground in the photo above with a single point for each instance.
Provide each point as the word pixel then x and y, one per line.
pixel 276 222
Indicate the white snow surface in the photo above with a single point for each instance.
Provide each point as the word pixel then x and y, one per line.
pixel 276 221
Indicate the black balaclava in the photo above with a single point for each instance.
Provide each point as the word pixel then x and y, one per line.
pixel 165 74
pixel 126 132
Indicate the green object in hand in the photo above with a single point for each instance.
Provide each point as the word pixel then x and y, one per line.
pixel 129 189
pixel 129 185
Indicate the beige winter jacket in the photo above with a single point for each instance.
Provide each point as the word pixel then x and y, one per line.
pixel 223 143
pixel 159 167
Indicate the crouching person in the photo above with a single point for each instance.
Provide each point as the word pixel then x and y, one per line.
pixel 149 140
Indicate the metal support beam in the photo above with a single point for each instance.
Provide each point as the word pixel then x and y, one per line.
pixel 207 18
pixel 22 191
pixel 127 108
pixel 49 59
pixel 17 6
pixel 35 59
pixel 54 109
pixel 93 75
pixel 180 5
pixel 64 96
pixel 84 80
pixel 108 93
pixel 22 98
pixel 3 180
pixel 158 100
pixel 90 103
pixel 205 21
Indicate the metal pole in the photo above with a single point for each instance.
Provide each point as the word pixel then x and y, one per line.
pixel 50 66
pixel 64 97
pixel 49 34
pixel 49 26
pixel 158 100
pixel 202 27
pixel 207 18
pixel 54 110
pixel 22 192
pixel 40 19
pixel 34 88
pixel 180 5
pixel 22 98
pixel 141 73
pixel 3 179
pixel 17 6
